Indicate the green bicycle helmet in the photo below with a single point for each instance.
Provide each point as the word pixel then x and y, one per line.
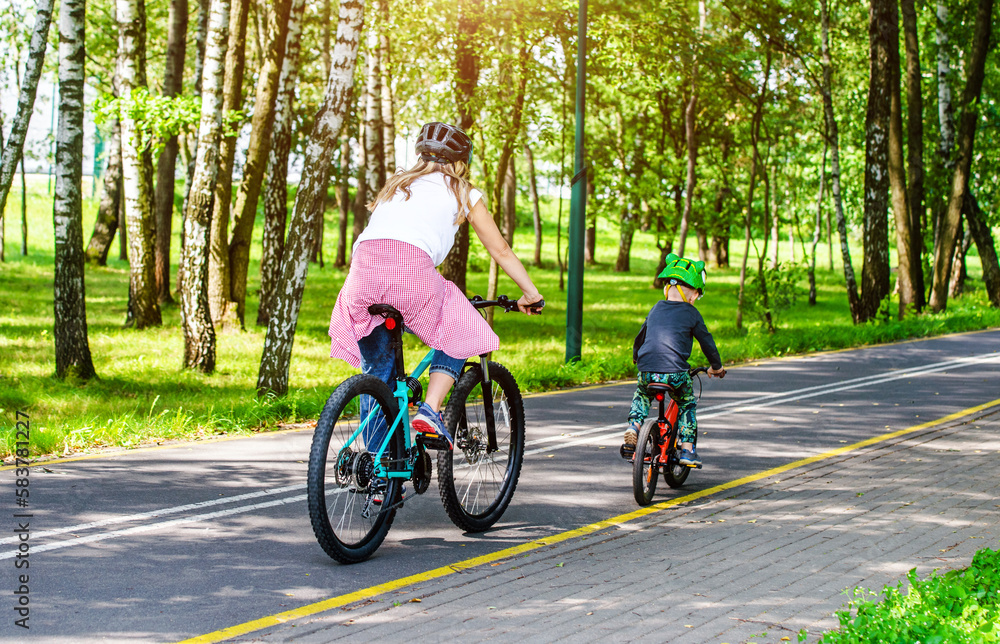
pixel 684 271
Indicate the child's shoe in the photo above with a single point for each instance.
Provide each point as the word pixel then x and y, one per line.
pixel 428 421
pixel 689 457
pixel 629 441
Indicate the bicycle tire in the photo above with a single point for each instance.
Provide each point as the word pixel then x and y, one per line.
pixel 340 489
pixel 645 464
pixel 475 486
pixel 673 472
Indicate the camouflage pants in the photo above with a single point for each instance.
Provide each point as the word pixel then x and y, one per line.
pixel 683 395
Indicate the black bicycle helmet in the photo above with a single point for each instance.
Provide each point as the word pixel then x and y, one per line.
pixel 443 143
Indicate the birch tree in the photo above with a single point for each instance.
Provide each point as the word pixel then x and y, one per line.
pixel 70 320
pixel 223 312
pixel 257 154
pixel 11 151
pixel 276 190
pixel 106 223
pixel 173 77
pixel 309 203
pixel 833 138
pixel 963 160
pixel 914 147
pixel 145 309
pixel 388 107
pixel 199 333
pixel 906 279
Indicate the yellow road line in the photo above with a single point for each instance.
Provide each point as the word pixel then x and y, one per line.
pixel 444 571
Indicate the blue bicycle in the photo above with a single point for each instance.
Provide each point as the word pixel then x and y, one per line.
pixel 362 453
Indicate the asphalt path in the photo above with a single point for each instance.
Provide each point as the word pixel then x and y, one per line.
pixel 165 544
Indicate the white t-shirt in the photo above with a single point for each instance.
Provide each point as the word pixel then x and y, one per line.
pixel 425 220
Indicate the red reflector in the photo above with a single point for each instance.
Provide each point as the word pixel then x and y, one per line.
pixel 659 396
pixel 390 324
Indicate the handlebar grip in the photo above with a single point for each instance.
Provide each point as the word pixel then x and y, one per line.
pixel 537 306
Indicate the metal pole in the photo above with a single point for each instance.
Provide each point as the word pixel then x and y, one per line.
pixel 578 205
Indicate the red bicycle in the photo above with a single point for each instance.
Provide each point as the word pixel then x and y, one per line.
pixel 658 447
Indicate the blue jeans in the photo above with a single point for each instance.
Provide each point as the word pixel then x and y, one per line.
pixel 379 359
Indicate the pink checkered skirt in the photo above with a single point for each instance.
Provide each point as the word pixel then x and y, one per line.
pixel 386 271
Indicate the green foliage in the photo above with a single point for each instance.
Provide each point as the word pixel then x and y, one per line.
pixel 959 607
pixel 782 288
pixel 157 118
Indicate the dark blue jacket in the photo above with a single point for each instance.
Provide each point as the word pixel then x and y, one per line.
pixel 665 340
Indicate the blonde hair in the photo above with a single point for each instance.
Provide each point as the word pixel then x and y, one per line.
pixel 455 178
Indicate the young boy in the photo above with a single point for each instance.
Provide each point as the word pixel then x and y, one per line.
pixel 662 348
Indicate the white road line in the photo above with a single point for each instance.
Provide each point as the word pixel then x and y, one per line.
pixel 574 439
pixel 149 527
pixel 157 513
pixel 857 383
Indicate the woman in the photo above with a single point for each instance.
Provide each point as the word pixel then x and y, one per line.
pixel 410 232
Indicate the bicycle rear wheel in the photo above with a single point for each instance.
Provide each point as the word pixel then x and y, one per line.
pixel 645 464
pixel 350 508
pixel 476 486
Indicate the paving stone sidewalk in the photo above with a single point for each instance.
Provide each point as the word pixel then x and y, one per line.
pixel 754 564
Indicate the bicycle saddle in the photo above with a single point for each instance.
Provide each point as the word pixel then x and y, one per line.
pixel 388 312
pixel 659 388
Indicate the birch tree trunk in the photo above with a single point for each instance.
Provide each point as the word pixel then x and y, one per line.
pixel 986 246
pixel 10 153
pixel 345 202
pixel 536 213
pixel 276 190
pixel 136 186
pixel 906 279
pixel 944 162
pixel 309 202
pixel 875 271
pixel 70 322
pixel 199 333
pixel 963 161
pixel 510 202
pixel 506 151
pixel 388 108
pixel 470 17
pixel 107 211
pixel 817 228
pixel 833 136
pixel 758 118
pixel 374 150
pixel 173 80
pixel 914 148
pixel 257 155
pixel 223 310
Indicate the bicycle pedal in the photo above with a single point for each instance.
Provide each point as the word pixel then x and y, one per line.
pixel 627 452
pixel 433 441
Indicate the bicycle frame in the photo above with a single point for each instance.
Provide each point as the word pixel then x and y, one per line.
pixel 667 423
pixel 383 467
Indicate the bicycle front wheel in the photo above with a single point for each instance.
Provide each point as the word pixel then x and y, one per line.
pixel 645 464
pixel 350 508
pixel 476 485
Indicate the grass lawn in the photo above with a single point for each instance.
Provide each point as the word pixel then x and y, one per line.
pixel 143 395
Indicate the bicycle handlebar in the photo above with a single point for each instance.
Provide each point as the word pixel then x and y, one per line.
pixel 699 370
pixel 506 303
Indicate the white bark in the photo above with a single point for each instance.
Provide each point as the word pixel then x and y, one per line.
pixel 136 187
pixel 10 153
pixel 276 357
pixel 70 320
pixel 199 334
pixel 946 113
